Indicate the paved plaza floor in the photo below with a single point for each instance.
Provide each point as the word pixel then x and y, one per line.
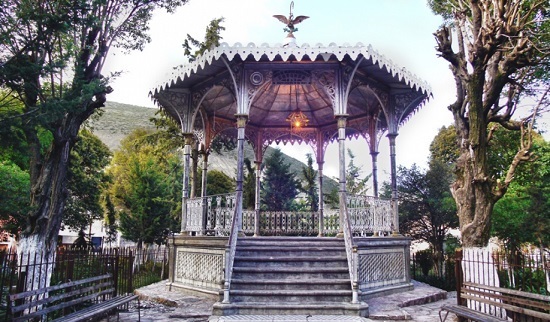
pixel 158 304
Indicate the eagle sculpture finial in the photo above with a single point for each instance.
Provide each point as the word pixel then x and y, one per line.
pixel 290 21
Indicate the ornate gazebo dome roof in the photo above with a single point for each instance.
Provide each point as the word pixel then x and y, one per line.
pixel 272 81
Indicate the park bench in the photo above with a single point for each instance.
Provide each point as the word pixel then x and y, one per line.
pixel 72 301
pixel 516 303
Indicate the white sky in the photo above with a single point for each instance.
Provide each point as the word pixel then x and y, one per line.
pixel 399 29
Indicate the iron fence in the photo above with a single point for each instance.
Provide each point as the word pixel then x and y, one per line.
pixel 131 268
pixel 425 268
pixel 526 270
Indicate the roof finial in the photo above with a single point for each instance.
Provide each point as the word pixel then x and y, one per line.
pixel 290 22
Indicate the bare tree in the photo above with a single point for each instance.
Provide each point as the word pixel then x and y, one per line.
pixel 500 57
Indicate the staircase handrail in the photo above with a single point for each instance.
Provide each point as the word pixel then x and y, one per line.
pixel 230 250
pixel 351 253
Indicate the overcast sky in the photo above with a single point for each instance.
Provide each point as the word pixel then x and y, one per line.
pixel 399 29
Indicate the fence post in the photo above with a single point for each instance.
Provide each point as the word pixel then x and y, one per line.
pixel 115 257
pixel 459 276
pixel 130 272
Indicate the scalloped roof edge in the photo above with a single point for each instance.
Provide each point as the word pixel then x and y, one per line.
pixel 339 51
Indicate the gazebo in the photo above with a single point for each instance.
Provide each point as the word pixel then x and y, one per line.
pixel 311 95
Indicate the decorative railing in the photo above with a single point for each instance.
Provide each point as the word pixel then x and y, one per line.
pixel 367 216
pixel 230 252
pixel 351 253
pixel 370 215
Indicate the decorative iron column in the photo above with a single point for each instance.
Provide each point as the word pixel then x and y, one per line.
pixel 321 206
pixel 204 181
pixel 342 167
pixel 241 123
pixel 257 198
pixel 394 194
pixel 188 140
pixel 374 158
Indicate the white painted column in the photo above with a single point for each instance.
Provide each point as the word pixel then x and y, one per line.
pixel 241 123
pixel 394 193
pixel 257 198
pixel 203 191
pixel 342 171
pixel 321 206
pixel 188 140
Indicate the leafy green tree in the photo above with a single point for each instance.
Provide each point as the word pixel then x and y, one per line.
pixel 219 183
pixel 211 39
pixel 143 188
pixel 280 186
pixel 170 130
pixel 14 196
pixel 427 209
pixel 111 224
pixel 51 55
pixel 146 210
pixel 498 52
pixel 309 176
pixel 355 185
pixel 86 181
pixel 514 213
pixel 527 202
pixel 444 146
pixel 249 186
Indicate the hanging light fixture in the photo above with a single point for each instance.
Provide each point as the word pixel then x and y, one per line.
pixel 296 118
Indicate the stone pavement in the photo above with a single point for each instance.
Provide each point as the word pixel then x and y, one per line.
pixel 158 304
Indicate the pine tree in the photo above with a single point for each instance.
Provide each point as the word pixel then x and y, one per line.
pixel 310 187
pixel 280 186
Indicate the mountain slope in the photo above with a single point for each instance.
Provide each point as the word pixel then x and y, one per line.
pixel 119 119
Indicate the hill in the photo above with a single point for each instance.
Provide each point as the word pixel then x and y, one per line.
pixel 119 119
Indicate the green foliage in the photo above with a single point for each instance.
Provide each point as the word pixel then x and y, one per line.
pixel 444 146
pixel 309 177
pixel 14 196
pixel 52 54
pixel 526 202
pixel 219 183
pixel 427 209
pixel 211 39
pixel 249 186
pixel 424 258
pixel 355 185
pixel 146 188
pixel 147 210
pixel 86 181
pixel 280 186
pixel 111 225
pixel 524 279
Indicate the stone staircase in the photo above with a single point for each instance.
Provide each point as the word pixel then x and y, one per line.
pixel 290 275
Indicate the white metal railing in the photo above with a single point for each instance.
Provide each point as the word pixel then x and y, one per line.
pixel 367 216
pixel 370 215
pixel 351 253
pixel 230 252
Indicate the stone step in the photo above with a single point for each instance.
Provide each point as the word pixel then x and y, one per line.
pixel 289 251
pixel 278 284
pixel 291 241
pixel 321 308
pixel 290 296
pixel 290 261
pixel 290 273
